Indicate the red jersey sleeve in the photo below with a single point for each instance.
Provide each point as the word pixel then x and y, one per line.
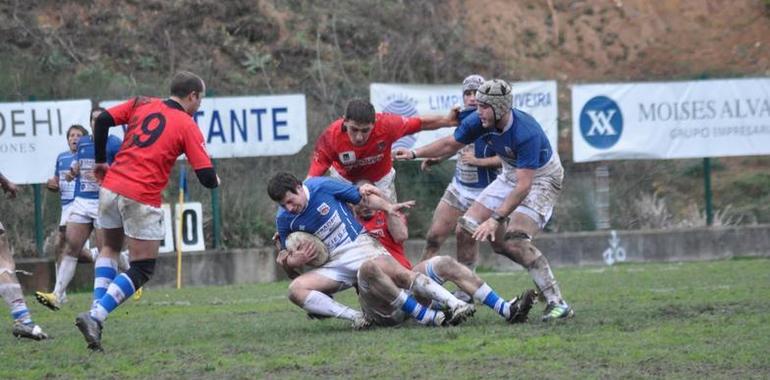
pixel 195 147
pixel 399 126
pixel 322 154
pixel 122 112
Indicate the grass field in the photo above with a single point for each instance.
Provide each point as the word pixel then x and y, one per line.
pixel 678 320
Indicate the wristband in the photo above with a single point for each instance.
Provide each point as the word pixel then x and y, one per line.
pixel 498 218
pixel 414 154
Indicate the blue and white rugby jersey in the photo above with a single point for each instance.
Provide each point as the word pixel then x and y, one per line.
pixel 86 185
pixel 522 144
pixel 475 177
pixel 326 215
pixel 66 188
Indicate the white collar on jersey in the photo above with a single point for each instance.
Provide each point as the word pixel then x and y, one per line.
pixel 507 126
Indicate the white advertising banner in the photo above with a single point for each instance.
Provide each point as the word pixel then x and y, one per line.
pixel 32 134
pixel 536 98
pixel 249 126
pixel 708 118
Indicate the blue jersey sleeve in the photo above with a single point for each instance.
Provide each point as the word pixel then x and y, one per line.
pixel 469 130
pixel 282 225
pixel 56 165
pixel 113 146
pixel 341 190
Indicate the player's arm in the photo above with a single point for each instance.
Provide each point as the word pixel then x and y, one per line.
pixel 469 157
pixel 445 146
pixel 102 125
pixel 397 227
pixel 512 200
pixel 431 122
pixel 279 241
pixel 8 187
pixel 195 150
pixel 321 160
pixel 53 184
pixel 376 202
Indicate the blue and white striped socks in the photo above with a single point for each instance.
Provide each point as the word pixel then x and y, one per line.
pixel 423 315
pixel 116 293
pixel 13 297
pixel 484 294
pixel 105 270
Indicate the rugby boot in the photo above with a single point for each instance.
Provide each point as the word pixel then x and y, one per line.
pixel 521 305
pixel 460 313
pixel 91 330
pixel 556 311
pixel 48 300
pixel 30 331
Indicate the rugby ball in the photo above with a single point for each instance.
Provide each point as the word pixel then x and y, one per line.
pixel 297 237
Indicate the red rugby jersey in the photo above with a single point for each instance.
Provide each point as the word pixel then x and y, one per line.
pixel 372 161
pixel 378 226
pixel 158 132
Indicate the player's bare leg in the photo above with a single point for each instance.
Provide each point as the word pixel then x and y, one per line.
pixel 76 235
pixel 10 291
pixel 443 224
pixel 444 268
pixel 422 286
pixel 310 291
pixel 381 296
pixel 143 254
pixel 517 244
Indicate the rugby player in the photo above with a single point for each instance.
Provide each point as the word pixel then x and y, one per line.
pixel 159 131
pixel 525 192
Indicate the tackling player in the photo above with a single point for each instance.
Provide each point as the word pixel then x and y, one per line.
pixel 526 191
pixel 159 131
pixel 357 146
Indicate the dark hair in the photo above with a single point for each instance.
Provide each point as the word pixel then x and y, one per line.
pixel 91 115
pixel 184 82
pixel 78 127
pixel 360 111
pixel 280 184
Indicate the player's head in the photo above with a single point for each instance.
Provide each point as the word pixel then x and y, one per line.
pixel 286 189
pixel 95 112
pixel 495 99
pixel 74 133
pixel 471 83
pixel 362 210
pixel 358 121
pixel 188 89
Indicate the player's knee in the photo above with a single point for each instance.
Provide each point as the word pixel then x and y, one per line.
pixel 432 241
pixel 519 245
pixel 440 269
pixel 368 270
pixel 141 271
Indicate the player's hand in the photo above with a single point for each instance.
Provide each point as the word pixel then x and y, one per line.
pixel 486 230
pixel 52 184
pixel 368 189
pixel 454 115
pixel 428 162
pixel 397 207
pixel 281 260
pixel 304 253
pixel 100 170
pixel 467 157
pixel 9 187
pixel 402 154
pixel 276 241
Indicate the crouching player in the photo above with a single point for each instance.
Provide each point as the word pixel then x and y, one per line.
pixel 319 206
